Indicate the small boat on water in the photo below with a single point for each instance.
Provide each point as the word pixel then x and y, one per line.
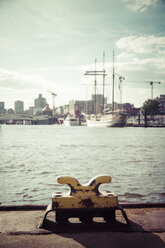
pixel 71 121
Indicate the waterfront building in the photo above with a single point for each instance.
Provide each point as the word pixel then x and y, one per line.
pixel 95 105
pixel 87 107
pixel 47 111
pixel 162 104
pixel 66 109
pixel 31 110
pixel 10 111
pixel 126 107
pixel 63 110
pixel 77 106
pixel 19 107
pixel 60 110
pixel 2 107
pixel 130 109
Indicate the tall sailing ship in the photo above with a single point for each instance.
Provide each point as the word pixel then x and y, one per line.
pixel 112 119
pixel 107 118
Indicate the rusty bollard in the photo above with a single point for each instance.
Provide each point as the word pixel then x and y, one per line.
pixel 84 201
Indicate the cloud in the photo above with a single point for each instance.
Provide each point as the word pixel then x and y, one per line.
pixel 140 5
pixel 15 80
pixel 142 54
pixel 142 44
pixel 152 65
pixel 125 55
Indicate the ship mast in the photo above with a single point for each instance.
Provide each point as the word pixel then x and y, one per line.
pixel 95 86
pixel 103 78
pixel 113 82
pixel 95 73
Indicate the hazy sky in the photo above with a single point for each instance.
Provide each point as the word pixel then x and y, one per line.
pixel 48 45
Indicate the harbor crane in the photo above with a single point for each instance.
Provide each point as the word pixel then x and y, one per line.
pixel 53 96
pixel 121 78
pixel 152 87
pixel 150 83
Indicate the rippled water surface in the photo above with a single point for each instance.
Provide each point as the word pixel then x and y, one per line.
pixel 31 158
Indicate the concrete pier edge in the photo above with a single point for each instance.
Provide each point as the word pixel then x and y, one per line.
pixel 20 227
pixel 43 207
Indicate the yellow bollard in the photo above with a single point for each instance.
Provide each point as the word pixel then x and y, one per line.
pixel 84 196
pixel 84 201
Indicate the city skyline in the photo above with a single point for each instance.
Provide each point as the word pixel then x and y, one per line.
pixel 98 96
pixel 48 46
pixel 47 104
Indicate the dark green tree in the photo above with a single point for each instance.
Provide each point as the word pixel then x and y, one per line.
pixel 151 107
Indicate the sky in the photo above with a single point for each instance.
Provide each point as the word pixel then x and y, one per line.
pixel 47 46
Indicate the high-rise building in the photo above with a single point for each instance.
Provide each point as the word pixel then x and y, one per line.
pixel 19 107
pixel 2 107
pixel 81 106
pixel 99 102
pixel 88 107
pixel 40 102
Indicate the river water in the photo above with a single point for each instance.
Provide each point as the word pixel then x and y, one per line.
pixel 32 157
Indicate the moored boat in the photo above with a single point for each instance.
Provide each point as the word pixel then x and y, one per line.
pixel 114 119
pixel 71 121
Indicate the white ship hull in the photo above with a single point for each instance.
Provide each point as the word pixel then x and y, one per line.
pixel 107 121
pixel 71 122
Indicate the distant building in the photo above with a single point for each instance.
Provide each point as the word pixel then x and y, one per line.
pixel 116 106
pixel 162 104
pixel 99 102
pixel 47 111
pixel 63 110
pixel 19 107
pixel 40 102
pixel 2 107
pixel 10 111
pixel 76 107
pixel 130 109
pixel 31 110
pixel 88 107
pixel 126 107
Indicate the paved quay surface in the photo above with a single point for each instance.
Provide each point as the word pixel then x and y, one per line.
pixel 21 229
